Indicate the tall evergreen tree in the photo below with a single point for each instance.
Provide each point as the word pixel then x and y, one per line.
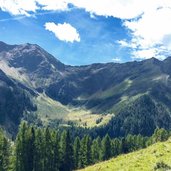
pixel 39 149
pixel 48 150
pixel 116 147
pixel 106 148
pixel 67 160
pixel 21 148
pixel 30 149
pixel 4 152
pixel 85 151
pixel 95 150
pixel 76 149
pixel 56 154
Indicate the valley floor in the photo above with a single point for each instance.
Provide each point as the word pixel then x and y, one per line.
pixel 142 160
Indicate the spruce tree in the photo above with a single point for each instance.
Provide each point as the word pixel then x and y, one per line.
pixel 106 148
pixel 30 149
pixel 56 154
pixel 85 151
pixel 4 152
pixel 48 150
pixel 95 150
pixel 116 147
pixel 21 148
pixel 39 155
pixel 76 149
pixel 67 160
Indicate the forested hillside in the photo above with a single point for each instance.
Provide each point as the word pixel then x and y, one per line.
pixel 42 149
pixel 154 158
pixel 120 99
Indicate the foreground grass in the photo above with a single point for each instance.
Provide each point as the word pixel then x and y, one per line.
pixel 142 160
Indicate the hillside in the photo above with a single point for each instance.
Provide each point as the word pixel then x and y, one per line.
pixel 149 159
pixel 14 102
pixel 88 94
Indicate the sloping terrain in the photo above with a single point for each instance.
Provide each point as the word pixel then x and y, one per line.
pixel 156 157
pixel 14 102
pixel 142 115
pixel 94 91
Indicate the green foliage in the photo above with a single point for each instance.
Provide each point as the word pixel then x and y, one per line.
pixel 161 166
pixel 67 159
pixel 142 116
pixel 77 154
pixel 85 151
pixel 106 148
pixel 157 157
pixel 37 149
pixel 4 152
pixel 95 150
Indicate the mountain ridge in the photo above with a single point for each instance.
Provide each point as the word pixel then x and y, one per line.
pixel 99 88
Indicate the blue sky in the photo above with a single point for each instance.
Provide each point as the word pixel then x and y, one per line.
pixel 80 33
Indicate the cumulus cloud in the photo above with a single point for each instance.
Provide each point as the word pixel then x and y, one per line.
pixel 148 21
pixel 18 7
pixel 56 5
pixel 64 32
pixel 124 9
pixel 151 33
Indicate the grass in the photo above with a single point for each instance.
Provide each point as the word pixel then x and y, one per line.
pixel 49 109
pixel 119 88
pixel 124 101
pixel 142 160
pixel 87 119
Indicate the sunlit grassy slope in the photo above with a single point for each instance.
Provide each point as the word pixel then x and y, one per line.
pixel 142 160
pixel 48 109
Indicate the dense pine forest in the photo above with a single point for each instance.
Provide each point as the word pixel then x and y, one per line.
pixel 45 149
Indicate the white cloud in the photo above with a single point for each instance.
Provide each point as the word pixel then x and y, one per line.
pixel 18 7
pixel 116 59
pixel 151 33
pixel 145 53
pixel 56 5
pixel 64 32
pixel 148 21
pixel 123 43
pixel 124 9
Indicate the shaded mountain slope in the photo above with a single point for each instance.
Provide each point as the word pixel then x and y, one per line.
pixel 14 101
pixel 100 88
pixel 142 116
pixel 96 86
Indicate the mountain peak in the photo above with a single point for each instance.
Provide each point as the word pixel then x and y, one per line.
pixel 5 47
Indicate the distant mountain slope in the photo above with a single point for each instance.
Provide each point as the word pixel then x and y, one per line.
pixel 141 116
pixel 99 88
pixel 154 158
pixel 14 101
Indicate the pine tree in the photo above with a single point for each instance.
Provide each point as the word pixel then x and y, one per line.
pixel 76 149
pixel 38 156
pixel 95 150
pixel 4 152
pixel 116 147
pixel 67 160
pixel 106 148
pixel 21 148
pixel 56 155
pixel 48 150
pixel 85 151
pixel 30 149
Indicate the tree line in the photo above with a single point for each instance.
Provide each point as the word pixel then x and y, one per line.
pixel 45 149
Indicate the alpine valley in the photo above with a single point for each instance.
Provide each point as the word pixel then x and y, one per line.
pixel 127 98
